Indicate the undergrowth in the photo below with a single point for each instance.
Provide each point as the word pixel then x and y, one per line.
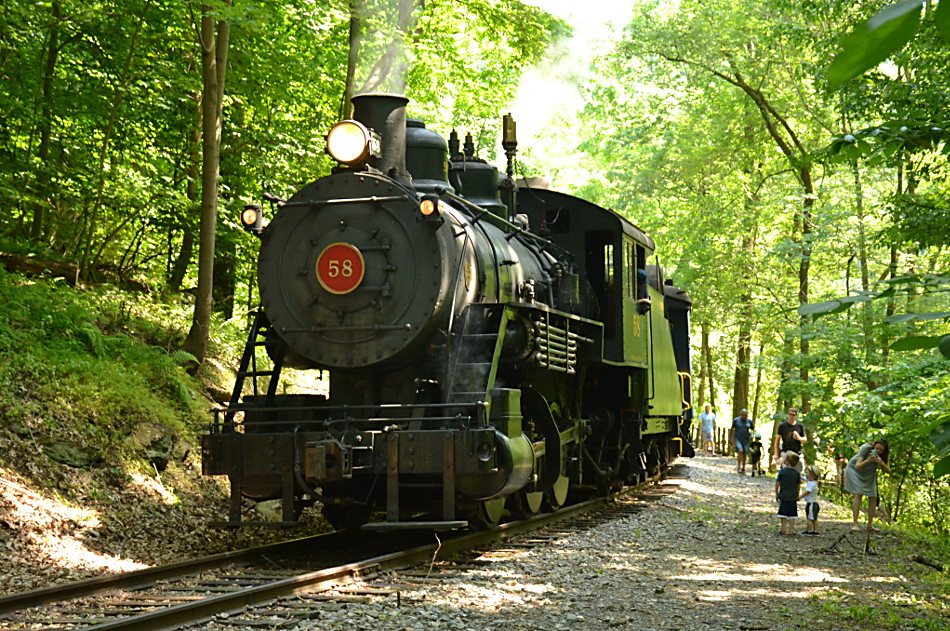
pixel 88 366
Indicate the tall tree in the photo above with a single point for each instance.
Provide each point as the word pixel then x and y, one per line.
pixel 352 57
pixel 118 97
pixel 214 38
pixel 52 50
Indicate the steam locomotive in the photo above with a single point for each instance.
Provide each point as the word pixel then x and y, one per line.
pixel 493 347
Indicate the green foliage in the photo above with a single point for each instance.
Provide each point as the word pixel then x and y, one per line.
pixel 920 389
pixel 85 364
pixel 682 150
pixel 100 123
pixel 875 40
pixel 923 219
pixel 889 141
pixel 905 410
pixel 465 82
pixel 906 285
pixel 940 437
pixel 886 32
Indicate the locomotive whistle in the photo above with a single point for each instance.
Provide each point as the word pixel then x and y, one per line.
pixel 509 133
pixel 509 142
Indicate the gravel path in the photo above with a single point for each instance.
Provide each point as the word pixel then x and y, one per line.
pixel 707 557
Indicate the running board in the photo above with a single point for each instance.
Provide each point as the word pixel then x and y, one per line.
pixel 414 525
pixel 258 524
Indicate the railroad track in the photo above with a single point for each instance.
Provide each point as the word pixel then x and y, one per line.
pixel 282 584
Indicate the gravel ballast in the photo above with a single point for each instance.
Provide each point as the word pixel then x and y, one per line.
pixel 708 556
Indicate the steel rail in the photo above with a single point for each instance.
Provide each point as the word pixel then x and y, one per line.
pixel 139 578
pixel 175 616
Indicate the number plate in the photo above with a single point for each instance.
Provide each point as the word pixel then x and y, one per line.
pixel 340 268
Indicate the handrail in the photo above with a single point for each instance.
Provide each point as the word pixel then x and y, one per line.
pixel 684 377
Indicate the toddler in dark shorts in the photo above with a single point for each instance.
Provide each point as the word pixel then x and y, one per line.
pixel 810 495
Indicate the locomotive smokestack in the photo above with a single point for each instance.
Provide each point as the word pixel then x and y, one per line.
pixel 386 115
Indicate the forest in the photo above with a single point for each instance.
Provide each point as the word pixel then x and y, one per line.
pixel 790 159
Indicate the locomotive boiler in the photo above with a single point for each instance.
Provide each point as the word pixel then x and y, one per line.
pixel 491 347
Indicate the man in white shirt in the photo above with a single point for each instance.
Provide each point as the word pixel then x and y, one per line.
pixel 708 430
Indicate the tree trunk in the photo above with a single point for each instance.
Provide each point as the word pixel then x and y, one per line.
pixel 32 266
pixel 867 312
pixel 117 98
pixel 899 496
pixel 804 267
pixel 758 387
pixel 701 400
pixel 352 58
pixel 224 276
pixel 38 225
pixel 707 356
pixel 799 158
pixel 183 260
pixel 782 402
pixel 891 272
pixel 740 388
pixel 214 55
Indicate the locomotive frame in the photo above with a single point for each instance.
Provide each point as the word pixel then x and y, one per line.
pixel 486 357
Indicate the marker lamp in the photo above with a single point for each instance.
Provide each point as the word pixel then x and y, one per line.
pixel 252 218
pixel 430 205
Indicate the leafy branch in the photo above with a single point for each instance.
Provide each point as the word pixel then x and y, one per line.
pixel 887 32
pixel 939 432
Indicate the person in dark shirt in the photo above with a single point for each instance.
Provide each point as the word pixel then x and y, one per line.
pixel 643 294
pixel 742 427
pixel 790 437
pixel 787 484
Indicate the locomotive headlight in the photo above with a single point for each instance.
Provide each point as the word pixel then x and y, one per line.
pixel 351 143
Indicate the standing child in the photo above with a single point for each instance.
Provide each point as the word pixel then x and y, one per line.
pixel 755 455
pixel 786 493
pixel 810 495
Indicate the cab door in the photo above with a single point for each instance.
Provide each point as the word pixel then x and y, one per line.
pixel 636 325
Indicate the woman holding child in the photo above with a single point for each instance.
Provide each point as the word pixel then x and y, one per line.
pixel 860 478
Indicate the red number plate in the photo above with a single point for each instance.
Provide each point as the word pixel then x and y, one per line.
pixel 340 268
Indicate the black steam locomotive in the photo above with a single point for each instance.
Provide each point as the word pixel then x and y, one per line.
pixel 493 347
